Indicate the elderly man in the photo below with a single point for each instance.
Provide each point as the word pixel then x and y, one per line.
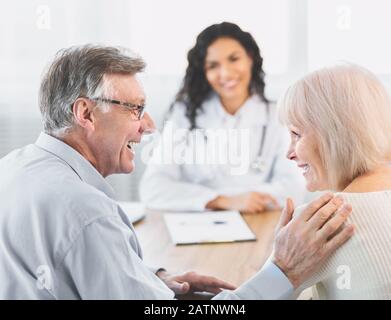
pixel 62 234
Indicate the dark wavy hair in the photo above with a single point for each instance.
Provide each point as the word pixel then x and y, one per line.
pixel 195 88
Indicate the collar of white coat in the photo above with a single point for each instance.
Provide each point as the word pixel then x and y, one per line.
pixel 84 169
pixel 253 112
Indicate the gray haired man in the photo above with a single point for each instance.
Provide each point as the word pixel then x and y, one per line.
pixel 62 234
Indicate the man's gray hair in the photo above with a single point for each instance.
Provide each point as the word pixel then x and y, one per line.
pixel 79 72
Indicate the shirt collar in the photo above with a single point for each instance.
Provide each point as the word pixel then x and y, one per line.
pixel 84 169
pixel 252 112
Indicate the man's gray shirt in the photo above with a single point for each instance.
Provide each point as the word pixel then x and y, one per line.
pixel 62 236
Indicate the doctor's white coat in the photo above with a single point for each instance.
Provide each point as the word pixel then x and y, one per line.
pixel 189 169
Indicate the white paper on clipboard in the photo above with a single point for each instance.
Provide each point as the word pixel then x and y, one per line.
pixel 207 227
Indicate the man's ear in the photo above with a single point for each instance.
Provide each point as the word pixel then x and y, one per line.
pixel 82 112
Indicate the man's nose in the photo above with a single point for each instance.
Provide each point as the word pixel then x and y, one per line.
pixel 147 124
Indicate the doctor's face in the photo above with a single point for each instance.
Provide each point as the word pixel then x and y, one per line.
pixel 228 69
pixel 116 131
pixel 304 150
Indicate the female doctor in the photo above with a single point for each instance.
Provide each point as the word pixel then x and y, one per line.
pixel 222 147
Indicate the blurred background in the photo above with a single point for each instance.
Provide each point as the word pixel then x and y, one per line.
pixel 295 37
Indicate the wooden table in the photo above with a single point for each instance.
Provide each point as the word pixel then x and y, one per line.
pixel 233 262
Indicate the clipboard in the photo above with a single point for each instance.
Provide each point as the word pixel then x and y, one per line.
pixel 207 227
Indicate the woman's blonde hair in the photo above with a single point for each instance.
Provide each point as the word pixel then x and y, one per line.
pixel 349 111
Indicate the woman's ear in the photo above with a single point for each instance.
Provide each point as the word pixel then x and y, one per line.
pixel 82 113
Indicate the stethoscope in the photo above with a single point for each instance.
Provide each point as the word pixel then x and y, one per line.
pixel 259 164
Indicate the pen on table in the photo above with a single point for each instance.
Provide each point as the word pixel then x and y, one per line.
pixel 219 222
pixel 216 222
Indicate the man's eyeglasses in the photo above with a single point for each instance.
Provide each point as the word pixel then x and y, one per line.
pixel 137 111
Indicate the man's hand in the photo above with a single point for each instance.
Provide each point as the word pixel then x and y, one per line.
pixel 303 243
pixel 189 282
pixel 249 202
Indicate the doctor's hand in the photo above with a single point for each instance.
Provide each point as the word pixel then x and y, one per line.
pixel 303 243
pixel 189 282
pixel 250 202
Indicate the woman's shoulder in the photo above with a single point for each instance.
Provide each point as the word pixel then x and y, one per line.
pixel 177 114
pixel 268 108
pixel 257 99
pixel 373 197
pixel 366 201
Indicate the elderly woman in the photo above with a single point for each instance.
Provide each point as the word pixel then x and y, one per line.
pixel 339 120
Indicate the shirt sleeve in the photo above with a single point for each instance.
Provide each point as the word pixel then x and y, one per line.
pixel 156 269
pixel 103 263
pixel 270 283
